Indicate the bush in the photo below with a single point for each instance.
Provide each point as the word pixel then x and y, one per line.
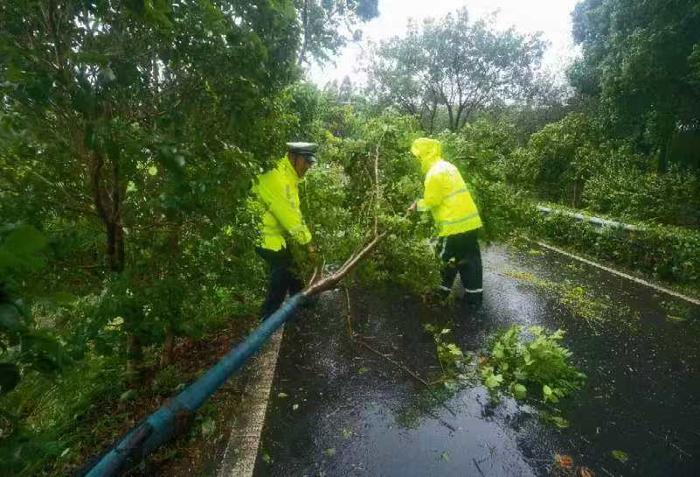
pixel 559 159
pixel 666 252
pixel 629 192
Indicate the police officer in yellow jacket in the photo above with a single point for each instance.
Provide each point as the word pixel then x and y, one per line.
pixel 275 199
pixel 456 217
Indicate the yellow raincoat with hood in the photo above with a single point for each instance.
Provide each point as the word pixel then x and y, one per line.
pixel 276 200
pixel 446 195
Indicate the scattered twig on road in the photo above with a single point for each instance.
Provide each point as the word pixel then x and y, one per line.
pixel 680 451
pixel 666 441
pixel 606 471
pixel 351 332
pixel 401 366
pixel 395 363
pixel 477 465
pixel 441 420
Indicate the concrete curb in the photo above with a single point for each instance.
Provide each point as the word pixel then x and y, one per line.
pixel 242 447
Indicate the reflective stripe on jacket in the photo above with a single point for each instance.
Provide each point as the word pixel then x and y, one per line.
pixel 446 195
pixel 276 200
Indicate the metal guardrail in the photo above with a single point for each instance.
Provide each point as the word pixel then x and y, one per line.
pixel 588 218
pixel 176 414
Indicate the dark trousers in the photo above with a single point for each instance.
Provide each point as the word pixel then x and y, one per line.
pixel 461 253
pixel 283 279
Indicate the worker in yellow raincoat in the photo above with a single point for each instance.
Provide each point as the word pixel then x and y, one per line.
pixel 457 219
pixel 275 200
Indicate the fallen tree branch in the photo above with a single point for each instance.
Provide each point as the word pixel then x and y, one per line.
pixel 320 284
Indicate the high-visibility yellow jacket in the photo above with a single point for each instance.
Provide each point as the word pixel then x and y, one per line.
pixel 276 199
pixel 446 195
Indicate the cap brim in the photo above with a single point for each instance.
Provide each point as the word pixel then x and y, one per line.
pixel 311 159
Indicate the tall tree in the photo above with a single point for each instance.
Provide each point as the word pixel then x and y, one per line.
pixel 132 113
pixel 640 59
pixel 454 64
pixel 327 25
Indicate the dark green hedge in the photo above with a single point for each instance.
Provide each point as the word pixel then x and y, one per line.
pixel 664 252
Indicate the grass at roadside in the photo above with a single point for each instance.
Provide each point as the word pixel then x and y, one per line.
pixel 72 419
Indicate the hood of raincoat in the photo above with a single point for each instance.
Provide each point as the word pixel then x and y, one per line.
pixel 428 151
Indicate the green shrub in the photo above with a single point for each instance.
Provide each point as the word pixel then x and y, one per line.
pixel 627 191
pixel 559 159
pixel 665 252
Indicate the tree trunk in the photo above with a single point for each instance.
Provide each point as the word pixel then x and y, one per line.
pixel 107 197
pixel 458 119
pixel 304 25
pixel 451 118
pixel 134 355
pixel 665 153
pixel 433 112
pixel 666 131
pixel 166 356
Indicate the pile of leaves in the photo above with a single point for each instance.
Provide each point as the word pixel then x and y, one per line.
pixel 527 361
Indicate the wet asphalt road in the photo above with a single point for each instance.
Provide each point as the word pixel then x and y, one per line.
pixel 338 409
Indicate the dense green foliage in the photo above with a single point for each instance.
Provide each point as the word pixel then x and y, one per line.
pixel 370 178
pixel 130 133
pixel 573 162
pixel 641 60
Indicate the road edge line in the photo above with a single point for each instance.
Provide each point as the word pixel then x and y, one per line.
pixel 618 273
pixel 242 448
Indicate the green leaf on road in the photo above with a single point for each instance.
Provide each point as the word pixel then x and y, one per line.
pixel 560 422
pixel 620 456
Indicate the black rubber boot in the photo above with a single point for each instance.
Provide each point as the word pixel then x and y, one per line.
pixel 474 300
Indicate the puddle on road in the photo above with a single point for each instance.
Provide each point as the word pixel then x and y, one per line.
pixel 360 415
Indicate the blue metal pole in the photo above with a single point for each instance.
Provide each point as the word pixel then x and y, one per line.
pixel 162 424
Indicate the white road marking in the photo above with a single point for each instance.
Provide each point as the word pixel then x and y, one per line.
pixel 242 448
pixel 620 274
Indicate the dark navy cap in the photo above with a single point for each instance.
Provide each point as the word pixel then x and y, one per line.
pixel 306 149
